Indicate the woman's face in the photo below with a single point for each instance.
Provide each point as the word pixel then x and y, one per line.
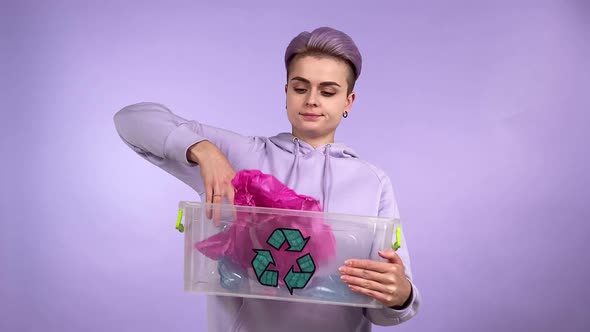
pixel 317 97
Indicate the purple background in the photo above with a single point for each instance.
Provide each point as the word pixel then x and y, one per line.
pixel 480 112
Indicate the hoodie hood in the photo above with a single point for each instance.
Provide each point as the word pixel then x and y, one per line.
pixel 286 141
pixel 299 148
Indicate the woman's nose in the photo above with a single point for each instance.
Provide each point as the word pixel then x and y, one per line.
pixel 311 99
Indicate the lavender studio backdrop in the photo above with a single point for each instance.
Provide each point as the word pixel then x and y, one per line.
pixel 477 110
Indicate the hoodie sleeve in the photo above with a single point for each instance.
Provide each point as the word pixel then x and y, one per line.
pixel 389 316
pixel 163 138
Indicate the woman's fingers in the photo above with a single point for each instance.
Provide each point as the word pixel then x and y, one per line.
pixel 217 174
pixel 209 198
pixel 217 199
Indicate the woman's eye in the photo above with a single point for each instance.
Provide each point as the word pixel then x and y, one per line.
pixel 299 90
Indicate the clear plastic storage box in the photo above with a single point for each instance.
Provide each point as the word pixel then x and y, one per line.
pixel 277 254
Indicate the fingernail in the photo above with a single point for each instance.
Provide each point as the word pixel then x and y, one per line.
pixel 348 263
pixel 341 269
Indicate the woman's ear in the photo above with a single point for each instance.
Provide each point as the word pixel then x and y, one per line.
pixel 349 101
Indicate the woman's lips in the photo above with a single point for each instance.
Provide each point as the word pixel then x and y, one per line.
pixel 310 116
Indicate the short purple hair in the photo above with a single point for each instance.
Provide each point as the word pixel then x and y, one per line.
pixel 326 42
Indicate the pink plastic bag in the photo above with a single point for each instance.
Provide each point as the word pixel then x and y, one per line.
pixel 251 231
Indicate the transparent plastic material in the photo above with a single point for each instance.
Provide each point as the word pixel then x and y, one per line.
pixel 276 261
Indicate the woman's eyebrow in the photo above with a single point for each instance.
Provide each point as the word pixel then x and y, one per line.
pixel 327 83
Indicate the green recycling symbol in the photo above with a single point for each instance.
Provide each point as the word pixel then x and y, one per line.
pixel 263 259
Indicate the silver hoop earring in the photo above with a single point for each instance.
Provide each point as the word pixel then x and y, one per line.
pixel 345 114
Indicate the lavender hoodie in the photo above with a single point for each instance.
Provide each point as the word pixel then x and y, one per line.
pixel 332 173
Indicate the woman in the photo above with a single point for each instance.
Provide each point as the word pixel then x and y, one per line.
pixel 322 67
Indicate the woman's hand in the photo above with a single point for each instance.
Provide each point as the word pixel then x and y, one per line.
pixel 216 173
pixel 383 281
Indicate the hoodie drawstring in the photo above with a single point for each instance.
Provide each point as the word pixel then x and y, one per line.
pixel 327 179
pixel 295 166
pixel 326 176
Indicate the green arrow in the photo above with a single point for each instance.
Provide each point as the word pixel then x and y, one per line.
pixel 276 239
pixel 295 239
pixel 306 263
pixel 293 236
pixel 261 261
pixel 269 278
pixel 298 280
